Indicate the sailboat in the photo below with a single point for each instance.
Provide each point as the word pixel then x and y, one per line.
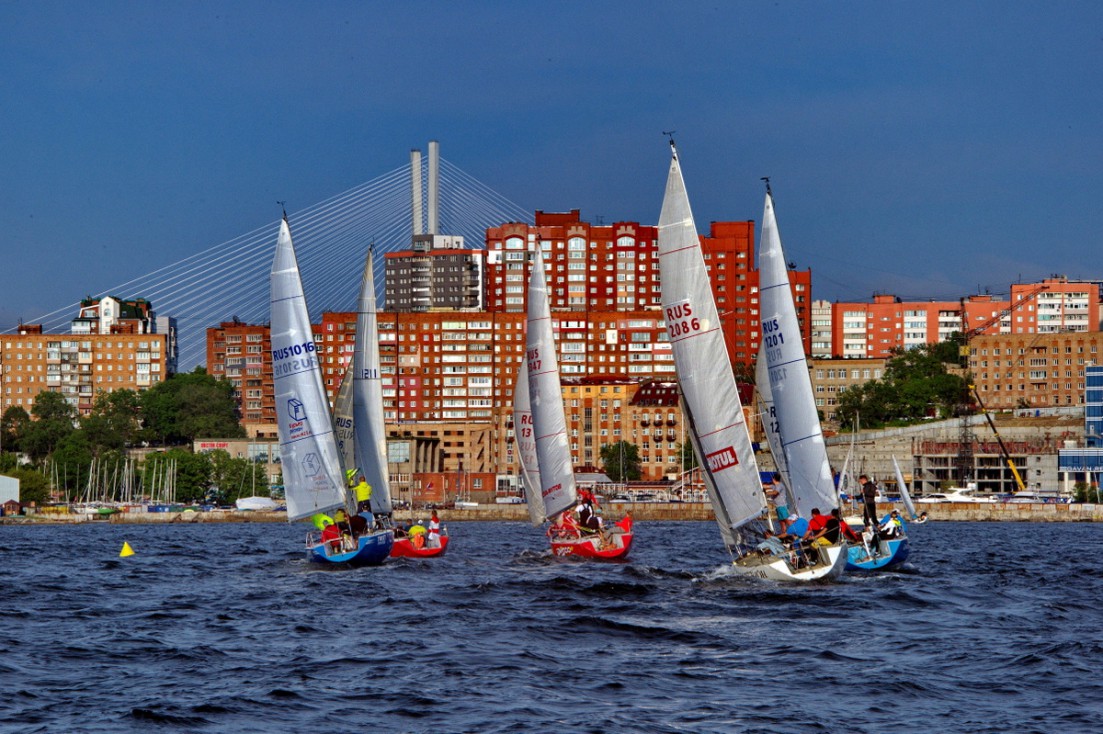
pixel 710 398
pixel 558 492
pixel 885 553
pixel 798 421
pixel 313 473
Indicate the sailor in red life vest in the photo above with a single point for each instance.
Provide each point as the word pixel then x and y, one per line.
pixel 434 531
pixel 331 536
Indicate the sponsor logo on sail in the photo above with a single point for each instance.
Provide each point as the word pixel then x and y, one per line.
pixel 311 464
pixel 550 490
pixel 722 459
pixel 296 409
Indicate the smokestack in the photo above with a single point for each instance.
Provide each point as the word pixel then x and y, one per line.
pixel 434 185
pixel 415 188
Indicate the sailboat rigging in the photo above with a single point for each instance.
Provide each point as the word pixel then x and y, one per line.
pixel 557 488
pixel 710 397
pixel 314 476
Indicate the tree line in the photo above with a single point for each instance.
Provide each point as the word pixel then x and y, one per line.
pixel 53 449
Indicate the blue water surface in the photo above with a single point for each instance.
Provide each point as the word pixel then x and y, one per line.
pixel 990 627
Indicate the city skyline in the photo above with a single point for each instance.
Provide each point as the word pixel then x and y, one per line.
pixel 927 151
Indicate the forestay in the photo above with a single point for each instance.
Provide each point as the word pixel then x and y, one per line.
pixel 710 398
pixel 791 386
pixel 312 475
pixel 553 456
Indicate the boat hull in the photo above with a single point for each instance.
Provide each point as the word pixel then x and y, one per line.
pixel 592 546
pixel 830 565
pixel 613 545
pixel 372 549
pixel 404 548
pixel 892 553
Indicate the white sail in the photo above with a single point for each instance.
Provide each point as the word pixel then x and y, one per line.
pixel 312 475
pixel 342 420
pixel 525 441
pixel 553 455
pixel 791 386
pixel 367 396
pixel 903 487
pixel 769 425
pixel 710 398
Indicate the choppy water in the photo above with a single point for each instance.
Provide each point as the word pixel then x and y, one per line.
pixel 226 628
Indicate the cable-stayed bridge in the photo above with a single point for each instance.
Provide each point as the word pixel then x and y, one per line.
pixel 230 279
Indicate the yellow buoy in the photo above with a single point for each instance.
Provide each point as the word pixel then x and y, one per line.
pixel 126 551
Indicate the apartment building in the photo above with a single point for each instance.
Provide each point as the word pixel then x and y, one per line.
pixel 79 366
pixel 436 273
pixel 873 330
pixel 242 354
pixel 830 377
pixel 1033 370
pixel 605 269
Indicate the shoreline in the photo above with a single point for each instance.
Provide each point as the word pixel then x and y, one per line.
pixel 641 512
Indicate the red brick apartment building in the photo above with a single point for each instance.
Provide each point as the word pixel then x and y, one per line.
pixel 873 330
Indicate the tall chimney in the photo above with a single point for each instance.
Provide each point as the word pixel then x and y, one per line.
pixel 434 185
pixel 415 188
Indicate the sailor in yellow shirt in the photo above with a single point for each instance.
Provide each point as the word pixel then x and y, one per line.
pixel 363 495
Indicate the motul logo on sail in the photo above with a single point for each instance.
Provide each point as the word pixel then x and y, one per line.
pixel 549 490
pixel 722 459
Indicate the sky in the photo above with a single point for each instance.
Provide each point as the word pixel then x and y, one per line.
pixel 925 149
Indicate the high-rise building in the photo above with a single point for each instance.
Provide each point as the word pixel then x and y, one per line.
pixel 599 270
pixel 242 354
pixel 436 273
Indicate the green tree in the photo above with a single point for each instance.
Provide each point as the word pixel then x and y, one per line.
pixel 688 457
pixel 916 382
pixel 189 473
pixel 71 463
pixel 12 427
pixel 237 477
pixel 621 461
pixel 53 420
pixel 114 422
pixel 33 487
pixel 185 407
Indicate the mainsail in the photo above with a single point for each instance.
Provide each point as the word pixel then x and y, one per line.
pixel 791 386
pixel 525 441
pixel 553 455
pixel 312 474
pixel 710 398
pixel 367 396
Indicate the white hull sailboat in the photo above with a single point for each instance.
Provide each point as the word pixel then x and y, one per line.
pixel 810 483
pixel 710 398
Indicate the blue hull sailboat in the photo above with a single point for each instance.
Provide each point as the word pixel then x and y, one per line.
pixel 885 553
pixel 314 478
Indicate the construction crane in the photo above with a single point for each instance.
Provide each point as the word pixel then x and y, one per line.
pixel 965 439
pixel 1003 449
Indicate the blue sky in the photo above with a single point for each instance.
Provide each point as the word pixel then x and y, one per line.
pixel 928 149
